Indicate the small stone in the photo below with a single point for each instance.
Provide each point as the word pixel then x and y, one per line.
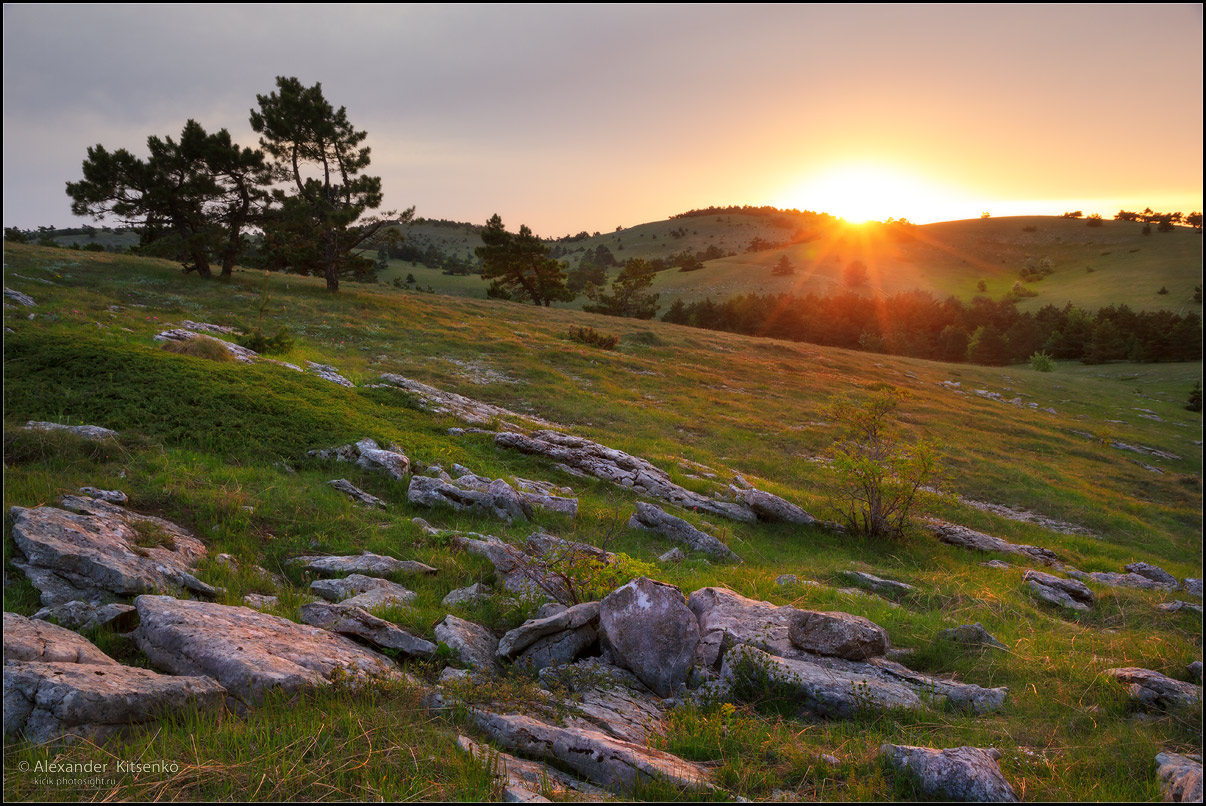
pixel 959 773
pixel 356 494
pixel 971 635
pixel 674 555
pixel 112 496
pixel 260 601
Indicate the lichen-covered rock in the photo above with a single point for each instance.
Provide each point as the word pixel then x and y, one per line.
pixel 497 500
pixel 528 633
pixel 366 454
pixel 355 585
pixel 246 651
pixel 654 519
pixel 770 507
pixel 358 495
pixel 28 639
pixel 1154 689
pixel 878 584
pixel 957 535
pixel 971 635
pixel 839 634
pixel 603 697
pixel 52 701
pixel 649 630
pixel 112 496
pixel 1195 671
pixel 1155 573
pixel 359 623
pixel 471 643
pixel 366 563
pixel 260 601
pixel 966 774
pixel 84 616
pixel 1180 778
pixel 1065 592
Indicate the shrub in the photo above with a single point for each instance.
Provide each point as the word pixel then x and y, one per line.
pixel 1020 290
pixel 282 342
pixel 1093 220
pixel 592 337
pixel 1195 398
pixel 880 478
pixel 199 347
pixel 1042 362
pixel 981 286
pixel 1163 290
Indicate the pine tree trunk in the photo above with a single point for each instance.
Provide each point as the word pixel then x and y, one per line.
pixel 331 261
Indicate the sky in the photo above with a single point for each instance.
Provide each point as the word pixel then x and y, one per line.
pixel 579 117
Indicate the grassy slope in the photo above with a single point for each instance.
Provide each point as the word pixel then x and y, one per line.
pixel 200 440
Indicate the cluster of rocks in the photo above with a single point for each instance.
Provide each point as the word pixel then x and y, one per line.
pixel 490 497
pixel 368 455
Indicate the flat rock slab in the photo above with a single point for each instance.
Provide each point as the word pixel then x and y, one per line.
pixel 358 495
pixel 878 584
pixel 354 586
pixel 966 774
pixel 1180 778
pixel 356 622
pixel 619 468
pixel 52 701
pixel 368 455
pixel 236 351
pixel 957 535
pixel 471 595
pixel 246 651
pixel 1154 689
pixel 472 644
pixel 101 550
pixel 328 373
pixel 28 639
pixel 1068 593
pixel 530 776
pixel 649 517
pixel 84 616
pixel 770 507
pixel 441 402
pixel 95 432
pixel 369 564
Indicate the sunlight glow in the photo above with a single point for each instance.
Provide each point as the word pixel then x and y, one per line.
pixel 869 192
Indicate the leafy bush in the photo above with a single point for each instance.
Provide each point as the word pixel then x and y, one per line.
pixel 282 342
pixel 592 337
pixel 1042 362
pixel 199 347
pixel 1195 398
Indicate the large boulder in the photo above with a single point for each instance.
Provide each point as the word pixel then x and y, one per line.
pixel 471 643
pixel 28 639
pixel 654 519
pixel 246 651
pixel 1180 778
pixel 967 774
pixel 840 634
pixel 94 701
pixel 356 622
pixel 649 630
pixel 1154 689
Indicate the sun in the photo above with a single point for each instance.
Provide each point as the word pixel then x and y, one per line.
pixel 867 192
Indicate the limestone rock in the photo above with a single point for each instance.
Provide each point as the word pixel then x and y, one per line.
pixel 533 630
pixel 971 635
pixel 112 496
pixel 559 648
pixel 1192 586
pixel 522 776
pixel 1155 573
pixel 260 601
pixel 246 651
pixel 357 622
pixel 472 644
pixel 471 595
pixel 498 500
pixel 878 584
pixel 354 586
pixel 84 616
pixel 237 352
pixel 86 431
pixel 607 698
pixel 649 630
pixel 957 535
pixel 769 507
pixel 329 373
pixel 365 563
pixel 34 640
pixel 441 402
pixel 1066 592
pixel 52 701
pixel 1180 778
pixel 358 495
pixel 19 298
pixel 1131 580
pixel 366 454
pixel 1154 689
pixel 967 774
pixel 674 555
pixel 654 519
pixel 1178 606
pixel 840 634
pixel 1195 671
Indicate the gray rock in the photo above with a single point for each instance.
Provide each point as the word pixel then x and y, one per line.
pixel 1192 586
pixel 84 616
pixel 787 580
pixel 467 409
pixel 619 468
pixel 649 630
pixel 838 634
pixel 1180 778
pixel 654 519
pixel 366 454
pixel 1195 671
pixel 472 644
pixel 260 601
pixel 769 507
pixel 1154 689
pixel 366 563
pixel 1129 581
pixel 329 373
pixel 1155 573
pixel 1065 592
pixel 61 701
pixel 559 648
pixel 359 623
pixel 246 651
pixel 971 635
pixel 472 595
pixel 878 584
pixel 35 640
pixel 112 496
pixel 19 298
pixel 425 527
pixel 533 630
pixel 99 551
pixel 549 609
pixel 355 585
pixel 237 352
pixel 523 776
pixel 967 774
pixel 674 555
pixel 996 564
pixel 957 535
pixel 498 500
pixel 358 495
pixel 86 431
pixel 602 697
pixel 1178 606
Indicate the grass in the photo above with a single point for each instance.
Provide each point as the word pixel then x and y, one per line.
pixel 204 445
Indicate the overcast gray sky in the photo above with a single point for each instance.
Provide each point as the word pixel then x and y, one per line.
pixel 588 117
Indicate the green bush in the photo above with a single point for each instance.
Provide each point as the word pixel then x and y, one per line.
pixel 592 337
pixel 1042 362
pixel 282 342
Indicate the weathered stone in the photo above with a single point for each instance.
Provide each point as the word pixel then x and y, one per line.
pixel 1155 573
pixel 467 409
pixel 770 507
pixel 649 630
pixel 472 595
pixel 260 601
pixel 19 298
pixel 1129 581
pixel 654 519
pixel 996 564
pixel 533 630
pixel 838 634
pixel 558 648
pixel 83 616
pixel 102 549
pixel 1192 586
pixel 523 776
pixel 86 431
pixel 967 774
pixel 472 644
pixel 366 563
pixel 674 555
pixel 206 327
pixel 359 623
pixel 112 496
pixel 329 373
pixel 1195 671
pixel 379 598
pixel 35 640
pixel 246 651
pixel 52 701
pixel 619 468
pixel 971 635
pixel 237 352
pixel 1154 689
pixel 366 454
pixel 549 609
pixel 498 500
pixel 1066 592
pixel 355 585
pixel 878 584
pixel 957 535
pixel 1178 606
pixel 1180 778
pixel 358 495
pixel 603 697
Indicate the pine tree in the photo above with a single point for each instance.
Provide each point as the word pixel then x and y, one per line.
pixel 519 265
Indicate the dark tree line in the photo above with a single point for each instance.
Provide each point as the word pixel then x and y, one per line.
pixel 982 331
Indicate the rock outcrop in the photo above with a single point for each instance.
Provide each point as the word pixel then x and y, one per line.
pixel 770 507
pixel 654 519
pixel 84 616
pixel 329 373
pixel 498 500
pixel 1153 572
pixel 368 455
pixel 1180 778
pixel 366 563
pixel 1064 592
pixel 957 535
pixel 1155 690
pixel 352 587
pixel 94 432
pixel 966 774
pixel 28 639
pixel 237 352
pixel 879 584
pixel 523 780
pixel 356 622
pixel 471 643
